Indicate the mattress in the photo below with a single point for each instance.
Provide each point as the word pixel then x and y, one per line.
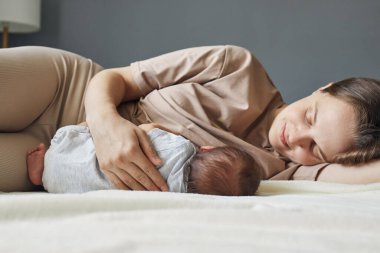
pixel 285 216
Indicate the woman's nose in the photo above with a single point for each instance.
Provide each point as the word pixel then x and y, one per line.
pixel 300 137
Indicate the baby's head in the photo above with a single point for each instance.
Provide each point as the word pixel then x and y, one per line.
pixel 224 171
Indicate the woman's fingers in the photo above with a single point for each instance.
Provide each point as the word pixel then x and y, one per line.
pixel 130 178
pixel 126 155
pixel 147 148
pixel 124 181
pixel 135 178
pixel 146 161
pixel 115 180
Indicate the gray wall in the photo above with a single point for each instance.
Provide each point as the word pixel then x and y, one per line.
pixel 302 43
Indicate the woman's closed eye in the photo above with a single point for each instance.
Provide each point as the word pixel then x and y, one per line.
pixel 309 117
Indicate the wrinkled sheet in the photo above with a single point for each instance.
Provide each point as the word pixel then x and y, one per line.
pixel 286 216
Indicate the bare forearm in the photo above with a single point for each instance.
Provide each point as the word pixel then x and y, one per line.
pixel 105 92
pixel 124 151
pixel 360 174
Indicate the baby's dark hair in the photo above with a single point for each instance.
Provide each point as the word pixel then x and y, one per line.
pixel 226 171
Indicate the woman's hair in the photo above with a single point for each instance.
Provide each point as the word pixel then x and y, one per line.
pixel 363 94
pixel 224 171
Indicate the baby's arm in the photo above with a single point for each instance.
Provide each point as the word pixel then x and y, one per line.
pixel 146 127
pixel 149 126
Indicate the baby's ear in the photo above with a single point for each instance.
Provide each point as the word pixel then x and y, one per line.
pixel 205 148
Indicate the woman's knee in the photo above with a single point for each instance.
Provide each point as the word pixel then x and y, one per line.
pixel 33 78
pixel 28 82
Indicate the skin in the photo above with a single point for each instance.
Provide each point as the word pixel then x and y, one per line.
pixel 303 131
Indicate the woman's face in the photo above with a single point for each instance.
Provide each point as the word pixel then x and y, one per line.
pixel 313 129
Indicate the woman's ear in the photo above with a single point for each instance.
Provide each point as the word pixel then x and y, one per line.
pixel 326 86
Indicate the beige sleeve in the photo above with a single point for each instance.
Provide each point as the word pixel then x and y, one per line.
pixel 193 65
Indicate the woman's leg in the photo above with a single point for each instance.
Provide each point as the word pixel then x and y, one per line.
pixel 28 83
pixel 13 170
pixel 41 89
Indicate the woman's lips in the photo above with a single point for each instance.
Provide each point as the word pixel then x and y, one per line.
pixel 283 138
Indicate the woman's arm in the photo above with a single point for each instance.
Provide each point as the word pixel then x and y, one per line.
pixel 124 151
pixel 360 174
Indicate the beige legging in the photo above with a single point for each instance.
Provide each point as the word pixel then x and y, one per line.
pixel 41 89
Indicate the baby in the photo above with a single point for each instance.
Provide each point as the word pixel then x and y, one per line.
pixel 70 164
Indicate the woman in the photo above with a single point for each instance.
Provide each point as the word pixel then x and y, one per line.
pixel 211 95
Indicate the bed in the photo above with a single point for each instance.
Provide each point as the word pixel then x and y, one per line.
pixel 285 216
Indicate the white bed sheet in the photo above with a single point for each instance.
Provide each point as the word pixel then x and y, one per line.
pixel 288 216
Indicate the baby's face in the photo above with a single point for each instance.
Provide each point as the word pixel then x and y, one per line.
pixel 313 129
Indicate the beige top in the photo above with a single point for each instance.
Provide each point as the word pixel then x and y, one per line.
pixel 218 95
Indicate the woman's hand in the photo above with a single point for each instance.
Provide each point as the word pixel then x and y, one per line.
pixel 124 151
pixel 126 156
